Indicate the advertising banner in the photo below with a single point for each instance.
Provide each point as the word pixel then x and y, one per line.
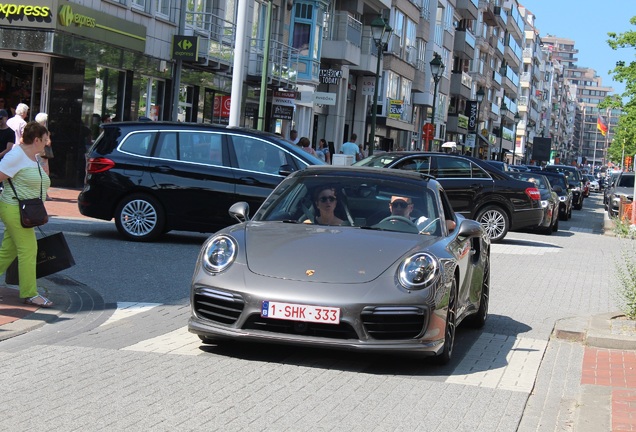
pixel 396 108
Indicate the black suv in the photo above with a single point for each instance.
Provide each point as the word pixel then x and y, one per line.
pixel 575 179
pixel 153 177
pixel 475 188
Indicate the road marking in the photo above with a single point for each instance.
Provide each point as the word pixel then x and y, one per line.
pixel 501 362
pixel 128 309
pixel 179 341
pixel 535 249
pixel 581 230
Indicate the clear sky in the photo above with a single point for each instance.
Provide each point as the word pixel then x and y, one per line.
pixel 587 22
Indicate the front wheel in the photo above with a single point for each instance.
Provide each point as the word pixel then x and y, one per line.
pixel 495 222
pixel 140 217
pixel 451 325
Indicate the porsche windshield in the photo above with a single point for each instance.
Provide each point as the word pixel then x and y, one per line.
pixel 369 203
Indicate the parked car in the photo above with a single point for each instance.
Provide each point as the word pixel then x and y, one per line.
pixel 519 168
pixel 153 177
pixel 609 185
pixel 549 200
pixel 501 166
pixel 623 189
pixel 593 183
pixel 574 179
pixel 376 281
pixel 560 185
pixel 476 189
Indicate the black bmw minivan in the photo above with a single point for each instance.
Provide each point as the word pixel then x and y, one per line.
pixel 153 177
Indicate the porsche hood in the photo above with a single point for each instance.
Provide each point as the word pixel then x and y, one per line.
pixel 325 254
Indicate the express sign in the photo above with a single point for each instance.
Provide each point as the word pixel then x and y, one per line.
pixel 37 13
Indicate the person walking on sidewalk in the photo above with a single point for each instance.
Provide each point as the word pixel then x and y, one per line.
pixel 21 165
pixel 350 147
pixel 18 122
pixel 7 135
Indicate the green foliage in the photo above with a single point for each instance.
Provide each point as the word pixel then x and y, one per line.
pixel 623 229
pixel 624 72
pixel 626 276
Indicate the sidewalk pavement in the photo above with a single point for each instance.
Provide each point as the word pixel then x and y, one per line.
pixel 607 400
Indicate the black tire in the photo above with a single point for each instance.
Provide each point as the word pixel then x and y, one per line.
pixel 140 217
pixel 495 221
pixel 479 319
pixel 570 213
pixel 555 227
pixel 579 206
pixel 451 326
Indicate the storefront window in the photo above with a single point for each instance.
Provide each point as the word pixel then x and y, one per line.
pixel 151 93
pixel 107 87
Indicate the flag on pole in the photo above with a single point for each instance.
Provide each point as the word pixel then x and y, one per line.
pixel 601 125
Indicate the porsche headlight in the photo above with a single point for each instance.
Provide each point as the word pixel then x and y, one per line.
pixel 563 198
pixel 219 253
pixel 544 203
pixel 419 271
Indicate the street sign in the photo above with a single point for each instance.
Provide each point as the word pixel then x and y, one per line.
pixel 185 48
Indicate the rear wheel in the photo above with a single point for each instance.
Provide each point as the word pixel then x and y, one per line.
pixel 139 217
pixel 451 325
pixel 555 227
pixel 495 222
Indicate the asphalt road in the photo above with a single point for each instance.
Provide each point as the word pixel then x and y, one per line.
pixel 129 362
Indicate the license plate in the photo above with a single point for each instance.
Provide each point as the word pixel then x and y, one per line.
pixel 300 312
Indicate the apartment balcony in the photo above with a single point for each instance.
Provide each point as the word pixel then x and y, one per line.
pixel 457 123
pixel 368 62
pixel 488 8
pixel 467 9
pixel 342 42
pixel 525 80
pixel 464 46
pixel 512 55
pixel 419 81
pixel 527 55
pixel 497 79
pixel 461 84
pixel 284 64
pixel 515 24
pixel 217 42
pixel 498 44
pixel 501 17
pixel 522 103
pixel 510 81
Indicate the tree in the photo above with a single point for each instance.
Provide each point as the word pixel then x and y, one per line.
pixel 624 72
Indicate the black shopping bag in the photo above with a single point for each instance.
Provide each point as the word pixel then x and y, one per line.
pixel 53 256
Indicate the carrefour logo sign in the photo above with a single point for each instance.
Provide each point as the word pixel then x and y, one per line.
pixel 66 17
pixel 13 11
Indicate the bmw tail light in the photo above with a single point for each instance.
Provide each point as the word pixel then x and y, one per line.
pixel 533 193
pixel 98 165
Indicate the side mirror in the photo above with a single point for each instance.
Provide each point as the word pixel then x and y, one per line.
pixel 240 211
pixel 285 170
pixel 469 228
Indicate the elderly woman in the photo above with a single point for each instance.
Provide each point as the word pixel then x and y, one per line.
pixel 21 165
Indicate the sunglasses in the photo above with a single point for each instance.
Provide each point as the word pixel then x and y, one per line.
pixel 324 199
pixel 400 204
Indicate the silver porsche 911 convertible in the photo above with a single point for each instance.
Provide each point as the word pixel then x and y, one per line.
pixel 345 257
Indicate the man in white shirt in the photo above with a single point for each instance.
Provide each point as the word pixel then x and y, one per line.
pixel 18 122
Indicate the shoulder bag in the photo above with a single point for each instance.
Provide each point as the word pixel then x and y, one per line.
pixel 32 211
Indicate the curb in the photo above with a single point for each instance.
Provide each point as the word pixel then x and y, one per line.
pixel 41 316
pixel 595 331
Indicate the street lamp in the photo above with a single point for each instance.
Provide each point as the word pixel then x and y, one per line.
pixel 381 32
pixel 503 110
pixel 514 137
pixel 480 98
pixel 437 69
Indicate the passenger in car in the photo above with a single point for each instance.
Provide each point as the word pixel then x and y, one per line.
pixel 325 203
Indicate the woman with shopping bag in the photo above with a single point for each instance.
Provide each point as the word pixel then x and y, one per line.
pixel 21 165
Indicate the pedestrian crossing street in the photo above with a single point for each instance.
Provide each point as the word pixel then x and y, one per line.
pixel 493 361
